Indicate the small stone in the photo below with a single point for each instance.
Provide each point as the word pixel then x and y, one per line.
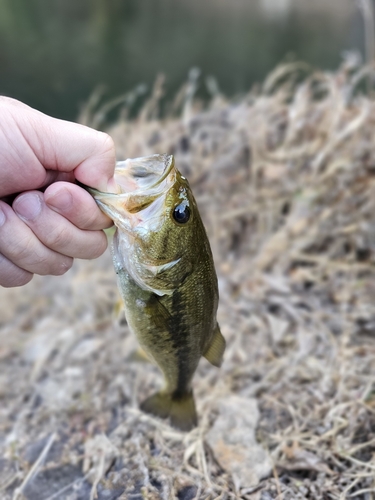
pixel 187 493
pixel 232 440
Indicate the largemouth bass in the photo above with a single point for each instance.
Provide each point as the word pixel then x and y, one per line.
pixel 166 276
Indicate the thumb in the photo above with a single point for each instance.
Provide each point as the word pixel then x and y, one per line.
pixel 68 147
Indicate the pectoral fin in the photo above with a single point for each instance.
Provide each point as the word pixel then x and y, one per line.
pixel 118 310
pixel 159 312
pixel 214 352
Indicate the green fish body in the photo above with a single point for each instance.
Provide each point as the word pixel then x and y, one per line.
pixel 166 276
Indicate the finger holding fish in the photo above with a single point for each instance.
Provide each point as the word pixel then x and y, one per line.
pixel 55 231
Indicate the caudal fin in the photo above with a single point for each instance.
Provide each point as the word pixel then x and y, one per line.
pixel 180 409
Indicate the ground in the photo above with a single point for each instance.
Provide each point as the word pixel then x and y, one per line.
pixel 285 181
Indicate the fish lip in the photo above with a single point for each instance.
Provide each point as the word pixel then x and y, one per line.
pixel 109 210
pixel 169 161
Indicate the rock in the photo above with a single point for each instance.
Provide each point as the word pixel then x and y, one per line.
pixel 232 440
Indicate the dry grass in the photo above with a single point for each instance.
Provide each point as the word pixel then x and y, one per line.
pixel 285 179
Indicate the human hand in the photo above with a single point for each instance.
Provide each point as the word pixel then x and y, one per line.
pixel 42 232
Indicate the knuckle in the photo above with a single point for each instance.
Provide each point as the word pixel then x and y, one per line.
pixel 89 220
pixel 58 238
pixel 108 142
pixel 23 249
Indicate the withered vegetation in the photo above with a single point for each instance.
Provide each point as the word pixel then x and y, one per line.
pixel 285 180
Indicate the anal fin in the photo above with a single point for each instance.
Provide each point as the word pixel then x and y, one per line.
pixel 139 355
pixel 215 351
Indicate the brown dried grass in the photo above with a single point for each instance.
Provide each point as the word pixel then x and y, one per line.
pixel 285 179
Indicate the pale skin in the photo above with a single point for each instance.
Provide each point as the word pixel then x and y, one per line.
pixel 51 220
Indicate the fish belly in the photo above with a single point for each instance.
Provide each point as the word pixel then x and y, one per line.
pixel 147 326
pixel 149 318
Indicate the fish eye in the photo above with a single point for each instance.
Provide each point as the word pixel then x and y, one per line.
pixel 181 213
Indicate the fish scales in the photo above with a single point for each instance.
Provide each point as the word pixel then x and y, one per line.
pixel 166 277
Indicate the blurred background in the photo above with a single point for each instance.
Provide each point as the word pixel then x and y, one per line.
pixel 55 53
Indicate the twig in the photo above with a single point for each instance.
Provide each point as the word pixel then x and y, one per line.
pixel 99 475
pixel 34 469
pixel 276 476
pixel 360 492
pixel 348 488
pixel 68 487
pixel 8 482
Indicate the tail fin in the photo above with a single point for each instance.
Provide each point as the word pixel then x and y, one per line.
pixel 180 409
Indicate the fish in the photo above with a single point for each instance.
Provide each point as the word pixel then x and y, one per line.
pixel 166 276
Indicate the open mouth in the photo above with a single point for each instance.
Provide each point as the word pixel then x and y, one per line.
pixel 140 182
pixel 143 174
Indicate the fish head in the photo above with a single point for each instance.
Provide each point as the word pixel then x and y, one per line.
pixel 158 225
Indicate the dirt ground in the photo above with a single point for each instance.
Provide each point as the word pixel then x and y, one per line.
pixel 285 181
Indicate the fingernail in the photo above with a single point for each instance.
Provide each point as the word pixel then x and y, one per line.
pixel 2 217
pixel 28 206
pixel 60 200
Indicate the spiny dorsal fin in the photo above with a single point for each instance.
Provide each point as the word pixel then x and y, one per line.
pixel 214 352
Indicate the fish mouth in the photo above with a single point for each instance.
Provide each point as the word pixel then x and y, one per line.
pixel 143 174
pixel 140 182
